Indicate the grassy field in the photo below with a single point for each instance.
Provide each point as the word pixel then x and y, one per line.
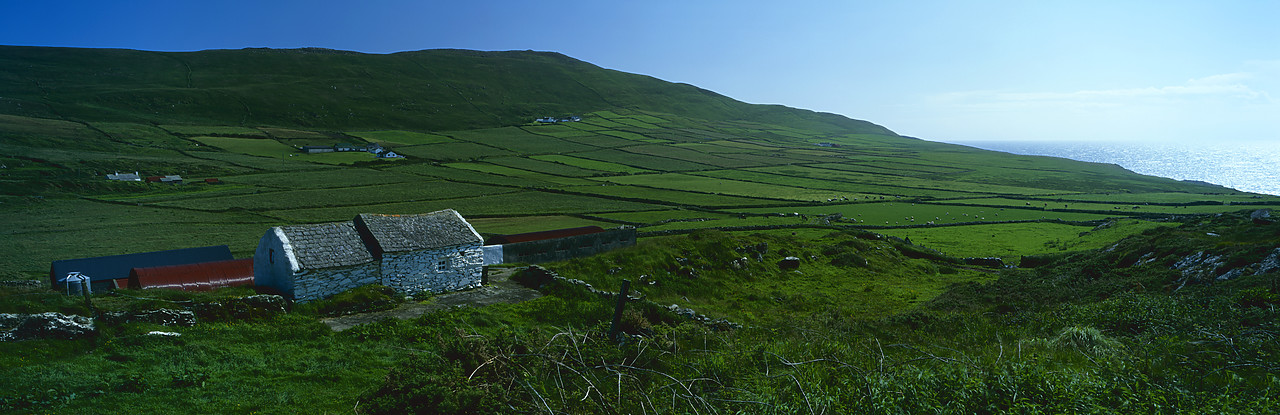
pixel 906 213
pixel 260 147
pixel 324 179
pixel 1013 240
pixel 676 181
pixel 199 130
pixel 347 196
pixel 590 164
pixel 451 151
pixel 401 137
pixel 1051 205
pixel 523 224
pixel 675 197
pixel 514 172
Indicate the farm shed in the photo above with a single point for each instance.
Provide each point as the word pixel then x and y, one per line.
pixel 125 177
pixel 113 271
pixel 204 276
pixel 561 244
pixel 435 252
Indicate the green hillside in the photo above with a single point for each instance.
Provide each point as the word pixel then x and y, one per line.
pixel 337 90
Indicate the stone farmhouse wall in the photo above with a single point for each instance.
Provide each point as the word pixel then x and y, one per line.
pixel 559 249
pixel 438 270
pixel 315 284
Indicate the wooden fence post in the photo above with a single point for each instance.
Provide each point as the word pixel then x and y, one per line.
pixel 617 309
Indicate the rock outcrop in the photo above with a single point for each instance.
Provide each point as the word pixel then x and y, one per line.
pixel 163 317
pixel 45 326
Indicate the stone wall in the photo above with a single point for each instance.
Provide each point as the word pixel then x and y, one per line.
pixel 439 270
pixel 559 249
pixel 316 284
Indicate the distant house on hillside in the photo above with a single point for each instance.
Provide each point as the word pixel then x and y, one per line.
pixel 173 179
pixel 317 149
pixel 113 271
pixel 432 252
pixel 389 155
pixel 125 177
pixel 553 120
pixel 344 147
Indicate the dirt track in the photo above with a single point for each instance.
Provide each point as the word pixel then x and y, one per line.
pixel 499 290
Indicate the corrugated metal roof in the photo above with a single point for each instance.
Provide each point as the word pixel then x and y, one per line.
pixel 204 276
pixel 118 266
pixel 327 245
pixel 397 233
pixel 543 235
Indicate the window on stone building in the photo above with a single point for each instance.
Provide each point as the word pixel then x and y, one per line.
pixel 442 266
pixel 271 256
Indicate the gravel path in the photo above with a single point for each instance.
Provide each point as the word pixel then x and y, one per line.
pixel 499 290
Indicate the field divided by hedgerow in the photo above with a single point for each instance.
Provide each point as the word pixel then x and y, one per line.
pixel 686 182
pixel 674 197
pixel 351 196
pixel 903 213
pixel 500 170
pixel 516 203
pixel 543 166
pixel 400 137
pixel 597 165
pixel 216 130
pixel 1011 241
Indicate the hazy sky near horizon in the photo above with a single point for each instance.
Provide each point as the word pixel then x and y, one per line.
pixel 1199 71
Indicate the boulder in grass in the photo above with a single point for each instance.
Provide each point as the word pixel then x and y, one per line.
pixel 1262 217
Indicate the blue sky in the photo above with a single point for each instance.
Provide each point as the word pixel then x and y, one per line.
pixel 1198 71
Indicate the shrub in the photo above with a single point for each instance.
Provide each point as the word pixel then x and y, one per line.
pixel 431 386
pixel 363 299
pixel 1087 340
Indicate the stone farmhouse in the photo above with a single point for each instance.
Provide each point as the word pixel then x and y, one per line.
pixel 433 252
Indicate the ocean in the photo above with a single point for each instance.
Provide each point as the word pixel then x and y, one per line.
pixel 1245 166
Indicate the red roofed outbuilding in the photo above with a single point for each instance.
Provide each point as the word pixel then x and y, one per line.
pixel 204 276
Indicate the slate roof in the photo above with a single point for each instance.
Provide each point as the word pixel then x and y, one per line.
pixel 327 245
pixel 397 233
pixel 118 266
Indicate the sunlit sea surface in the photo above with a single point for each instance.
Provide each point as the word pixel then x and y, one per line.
pixel 1247 166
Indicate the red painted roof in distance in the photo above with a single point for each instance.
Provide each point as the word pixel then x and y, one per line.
pixel 204 276
pixel 543 235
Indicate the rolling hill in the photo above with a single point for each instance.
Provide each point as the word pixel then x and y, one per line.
pixel 661 156
pixel 337 90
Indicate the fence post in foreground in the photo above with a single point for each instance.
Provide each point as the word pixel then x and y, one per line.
pixel 617 309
